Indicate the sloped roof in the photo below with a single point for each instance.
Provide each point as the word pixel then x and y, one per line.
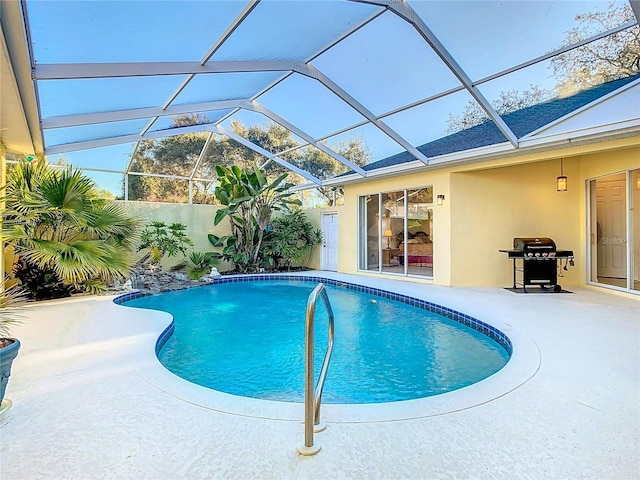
pixel 522 122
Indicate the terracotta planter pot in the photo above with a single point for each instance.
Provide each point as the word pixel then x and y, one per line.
pixel 7 354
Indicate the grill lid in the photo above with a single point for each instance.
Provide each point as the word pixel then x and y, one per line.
pixel 540 244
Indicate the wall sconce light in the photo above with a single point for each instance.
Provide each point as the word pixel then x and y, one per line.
pixel 388 233
pixel 440 200
pixel 561 181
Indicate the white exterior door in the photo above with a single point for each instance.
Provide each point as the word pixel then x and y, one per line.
pixel 611 228
pixel 329 241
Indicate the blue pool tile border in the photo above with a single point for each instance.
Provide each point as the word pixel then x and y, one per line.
pixel 490 331
pixel 166 333
pixel 119 300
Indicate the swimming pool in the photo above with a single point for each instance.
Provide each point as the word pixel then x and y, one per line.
pixel 386 350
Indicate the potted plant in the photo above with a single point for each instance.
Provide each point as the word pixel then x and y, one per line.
pixel 9 346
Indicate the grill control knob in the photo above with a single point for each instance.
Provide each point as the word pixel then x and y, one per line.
pixel 537 254
pixel 544 254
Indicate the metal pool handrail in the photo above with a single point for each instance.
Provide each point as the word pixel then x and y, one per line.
pixel 313 399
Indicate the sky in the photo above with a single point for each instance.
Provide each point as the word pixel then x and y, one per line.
pixel 384 65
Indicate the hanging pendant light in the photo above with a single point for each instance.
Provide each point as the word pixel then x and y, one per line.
pixel 561 181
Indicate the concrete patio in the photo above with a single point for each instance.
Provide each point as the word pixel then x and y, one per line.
pixel 90 401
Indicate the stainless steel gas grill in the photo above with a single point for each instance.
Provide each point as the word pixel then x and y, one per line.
pixel 536 260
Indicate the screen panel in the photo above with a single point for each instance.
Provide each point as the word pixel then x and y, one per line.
pixel 278 26
pixel 520 31
pixel 393 66
pixel 126 31
pixel 79 96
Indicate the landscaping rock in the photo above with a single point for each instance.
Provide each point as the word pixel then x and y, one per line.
pixel 150 278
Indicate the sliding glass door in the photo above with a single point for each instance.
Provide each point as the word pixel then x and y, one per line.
pixel 396 232
pixel 614 226
pixel 369 227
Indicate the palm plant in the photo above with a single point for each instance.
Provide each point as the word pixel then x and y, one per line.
pixel 200 263
pixel 60 227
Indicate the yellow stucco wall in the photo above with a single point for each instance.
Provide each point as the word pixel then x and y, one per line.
pixel 606 163
pixel 491 207
pixel 197 218
pixel 487 204
pixel 495 205
pixel 199 222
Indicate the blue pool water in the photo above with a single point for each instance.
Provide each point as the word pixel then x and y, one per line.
pixel 248 339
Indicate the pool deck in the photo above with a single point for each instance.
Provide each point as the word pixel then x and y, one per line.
pixel 91 401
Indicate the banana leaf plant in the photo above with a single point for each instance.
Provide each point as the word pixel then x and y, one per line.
pixel 249 199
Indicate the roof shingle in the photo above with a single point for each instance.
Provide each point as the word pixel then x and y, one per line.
pixel 521 122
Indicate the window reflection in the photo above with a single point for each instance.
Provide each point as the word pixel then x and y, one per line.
pixel 419 243
pixel 370 232
pixel 397 232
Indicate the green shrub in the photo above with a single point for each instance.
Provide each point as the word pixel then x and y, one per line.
pixel 160 240
pixel 290 239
